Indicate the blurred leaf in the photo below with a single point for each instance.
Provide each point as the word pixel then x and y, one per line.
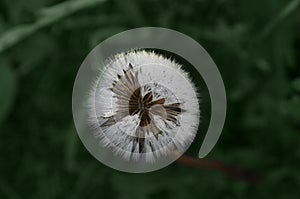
pixel 16 34
pixel 47 17
pixel 287 10
pixel 71 146
pixel 94 21
pixel 263 65
pixel 296 84
pixel 103 34
pixel 228 34
pixel 86 177
pixel 33 52
pixel 132 11
pixel 293 108
pixel 7 191
pixel 8 83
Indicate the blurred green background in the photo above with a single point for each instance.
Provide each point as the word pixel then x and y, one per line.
pixel 255 44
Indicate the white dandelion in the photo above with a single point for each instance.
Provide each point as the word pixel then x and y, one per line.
pixel 143 106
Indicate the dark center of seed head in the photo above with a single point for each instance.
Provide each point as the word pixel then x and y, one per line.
pixel 139 104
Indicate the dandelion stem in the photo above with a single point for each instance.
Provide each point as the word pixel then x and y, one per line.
pixel 246 175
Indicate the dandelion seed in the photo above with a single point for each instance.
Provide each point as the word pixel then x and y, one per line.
pixel 143 106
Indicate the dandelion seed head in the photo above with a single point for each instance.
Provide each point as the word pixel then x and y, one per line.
pixel 143 106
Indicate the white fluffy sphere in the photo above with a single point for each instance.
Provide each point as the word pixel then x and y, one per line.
pixel 143 106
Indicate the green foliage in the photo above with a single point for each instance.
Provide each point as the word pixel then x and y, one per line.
pixel 8 89
pixel 42 44
pixel 296 84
